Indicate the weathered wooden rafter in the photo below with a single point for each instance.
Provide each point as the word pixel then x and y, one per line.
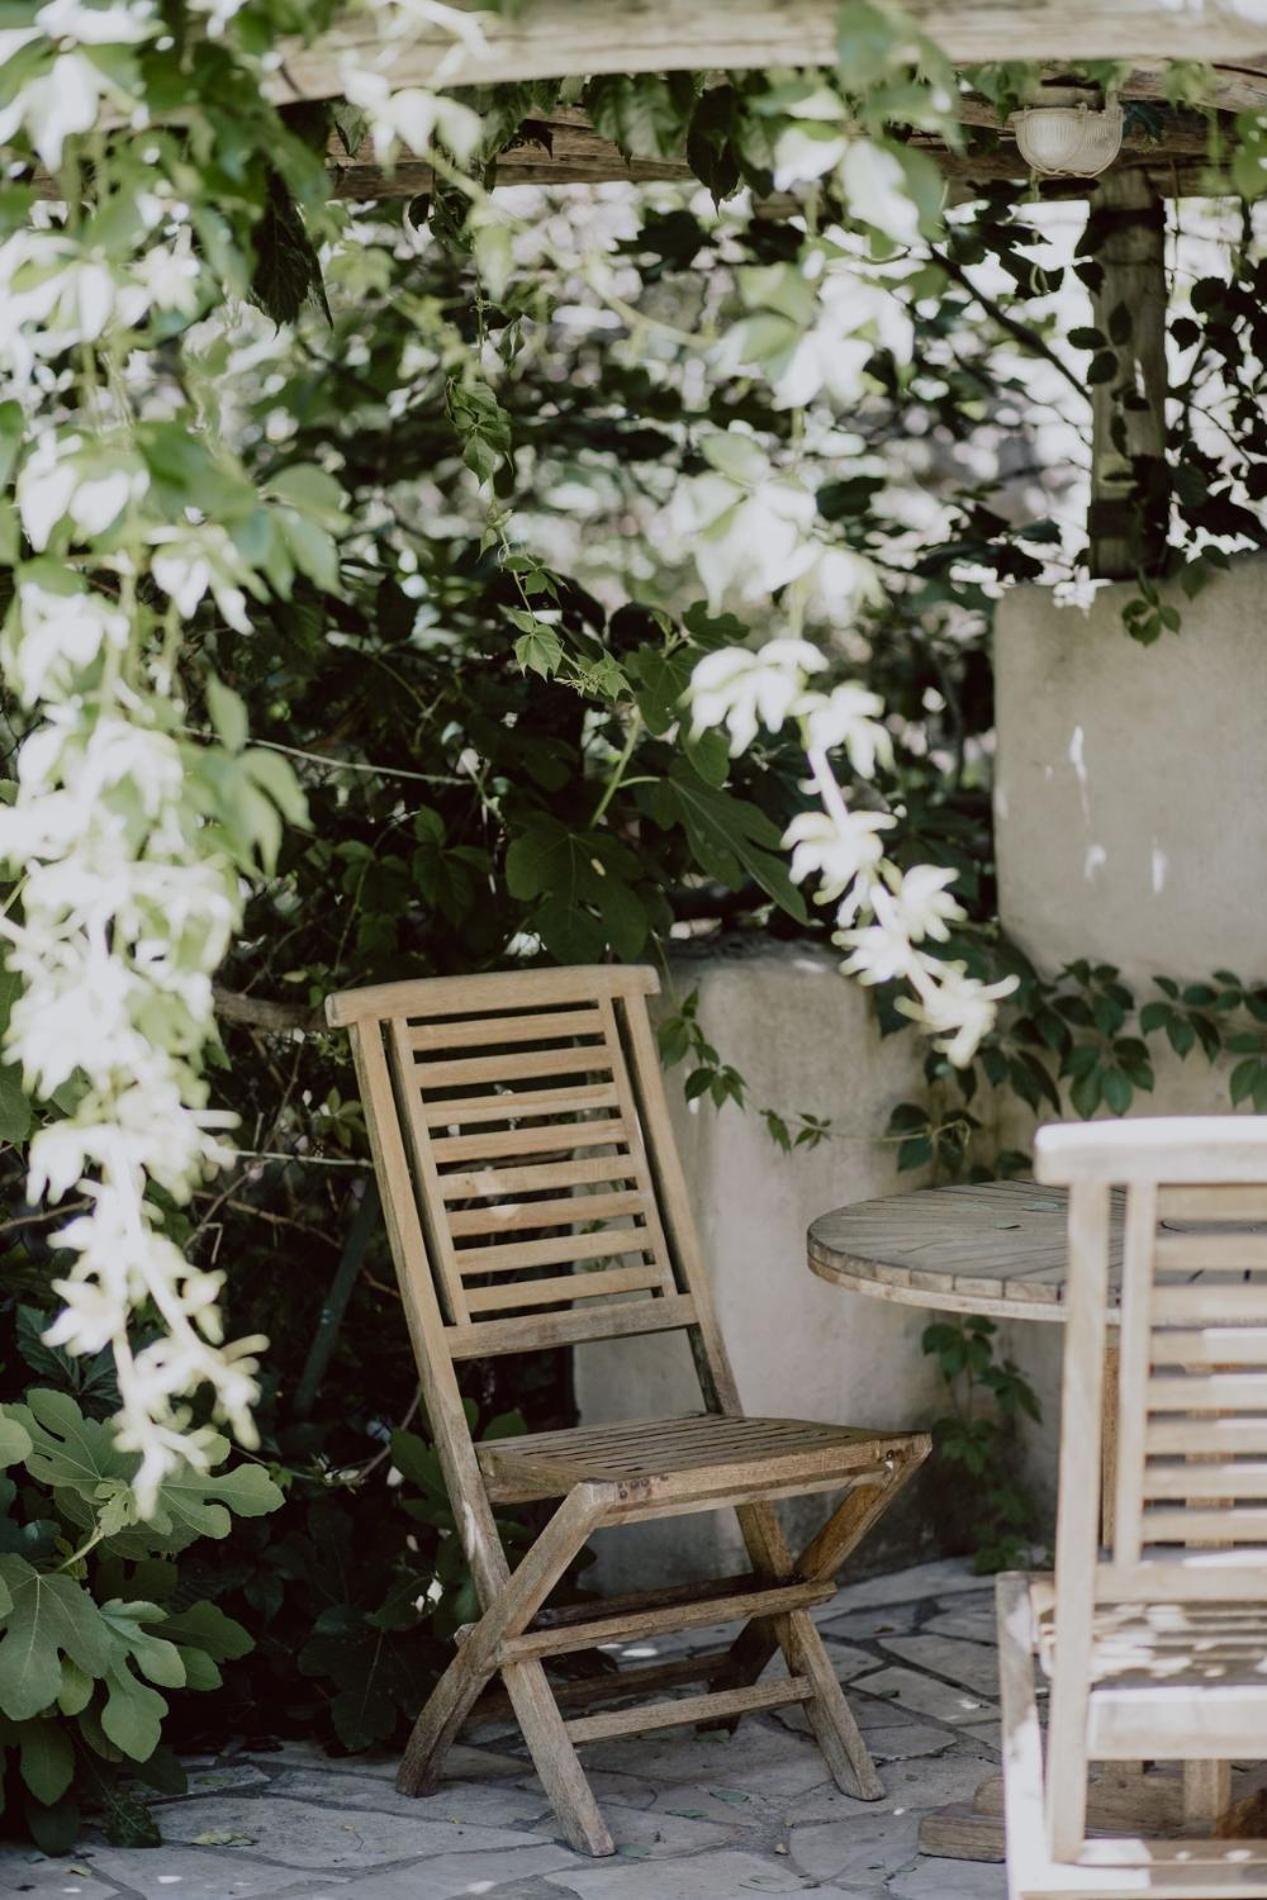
pixel 564 149
pixel 551 38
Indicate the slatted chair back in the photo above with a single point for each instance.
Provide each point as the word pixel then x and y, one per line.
pixel 1190 1519
pixel 541 1201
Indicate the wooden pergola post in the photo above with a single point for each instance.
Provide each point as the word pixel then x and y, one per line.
pixel 1130 490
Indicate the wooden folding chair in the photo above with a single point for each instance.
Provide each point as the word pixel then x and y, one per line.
pixel 1156 1649
pixel 534 1198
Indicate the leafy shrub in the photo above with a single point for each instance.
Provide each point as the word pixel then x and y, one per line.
pixel 987 1509
pixel 97 1624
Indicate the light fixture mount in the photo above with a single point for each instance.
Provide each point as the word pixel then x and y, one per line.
pixel 1067 131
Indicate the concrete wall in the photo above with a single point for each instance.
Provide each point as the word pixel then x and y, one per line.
pixel 1131 826
pixel 1131 782
pixel 806 1041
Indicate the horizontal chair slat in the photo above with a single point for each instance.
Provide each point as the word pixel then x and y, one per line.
pixel 465 1109
pixel 1212 1203
pixel 690 1709
pixel 510 1068
pixel 439 996
pixel 1224 1720
pixel 1180 1526
pixel 1203 1437
pixel 1207 1300
pixel 1208 1392
pixel 488 1338
pixel 1213 1252
pixel 508 1217
pixel 570 1286
pixel 545 1177
pixel 530 1141
pixel 676 1616
pixel 607 1244
pixel 1205 1481
pixel 1233 1576
pixel 1211 1346
pixel 585 1020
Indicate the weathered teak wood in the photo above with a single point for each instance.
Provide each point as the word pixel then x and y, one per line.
pixel 534 1197
pixel 1130 483
pixel 1156 1648
pixel 548 38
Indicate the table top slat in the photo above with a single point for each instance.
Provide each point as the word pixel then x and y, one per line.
pixel 995 1247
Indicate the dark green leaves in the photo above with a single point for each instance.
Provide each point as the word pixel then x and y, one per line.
pixel 45 1617
pixel 644 114
pixel 731 836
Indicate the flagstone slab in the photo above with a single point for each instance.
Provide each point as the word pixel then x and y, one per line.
pixel 856 1852
pixel 464 1877
pixel 731 1875
pixel 478 1803
pixel 658 1833
pixel 924 1695
pixel 759 1754
pixel 969 1663
pixel 910 1786
pixel 932 1879
pixel 872 1620
pixel 948 1576
pixel 25 1871
pixel 891 1741
pixel 305 1834
pixel 173 1871
pixel 975 1620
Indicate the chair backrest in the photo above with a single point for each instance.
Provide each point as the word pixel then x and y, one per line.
pixel 526 1160
pixel 1191 1413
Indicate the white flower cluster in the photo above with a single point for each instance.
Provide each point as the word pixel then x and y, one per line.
pixel 127 842
pixel 125 897
pixel 886 915
pixel 749 525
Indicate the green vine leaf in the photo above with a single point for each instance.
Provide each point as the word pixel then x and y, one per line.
pixel 46 1618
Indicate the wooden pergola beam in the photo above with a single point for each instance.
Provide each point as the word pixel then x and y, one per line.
pixel 552 38
pixel 562 148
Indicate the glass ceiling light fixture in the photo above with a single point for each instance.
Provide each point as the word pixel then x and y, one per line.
pixel 1066 132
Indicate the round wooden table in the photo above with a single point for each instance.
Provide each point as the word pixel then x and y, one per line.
pixel 997 1248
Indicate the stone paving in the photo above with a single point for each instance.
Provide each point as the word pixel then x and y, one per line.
pixel 694 1816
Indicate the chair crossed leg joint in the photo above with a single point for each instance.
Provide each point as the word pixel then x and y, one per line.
pixel 514 1637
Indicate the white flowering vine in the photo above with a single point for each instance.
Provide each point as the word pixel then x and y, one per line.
pixel 129 841
pixel 886 916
